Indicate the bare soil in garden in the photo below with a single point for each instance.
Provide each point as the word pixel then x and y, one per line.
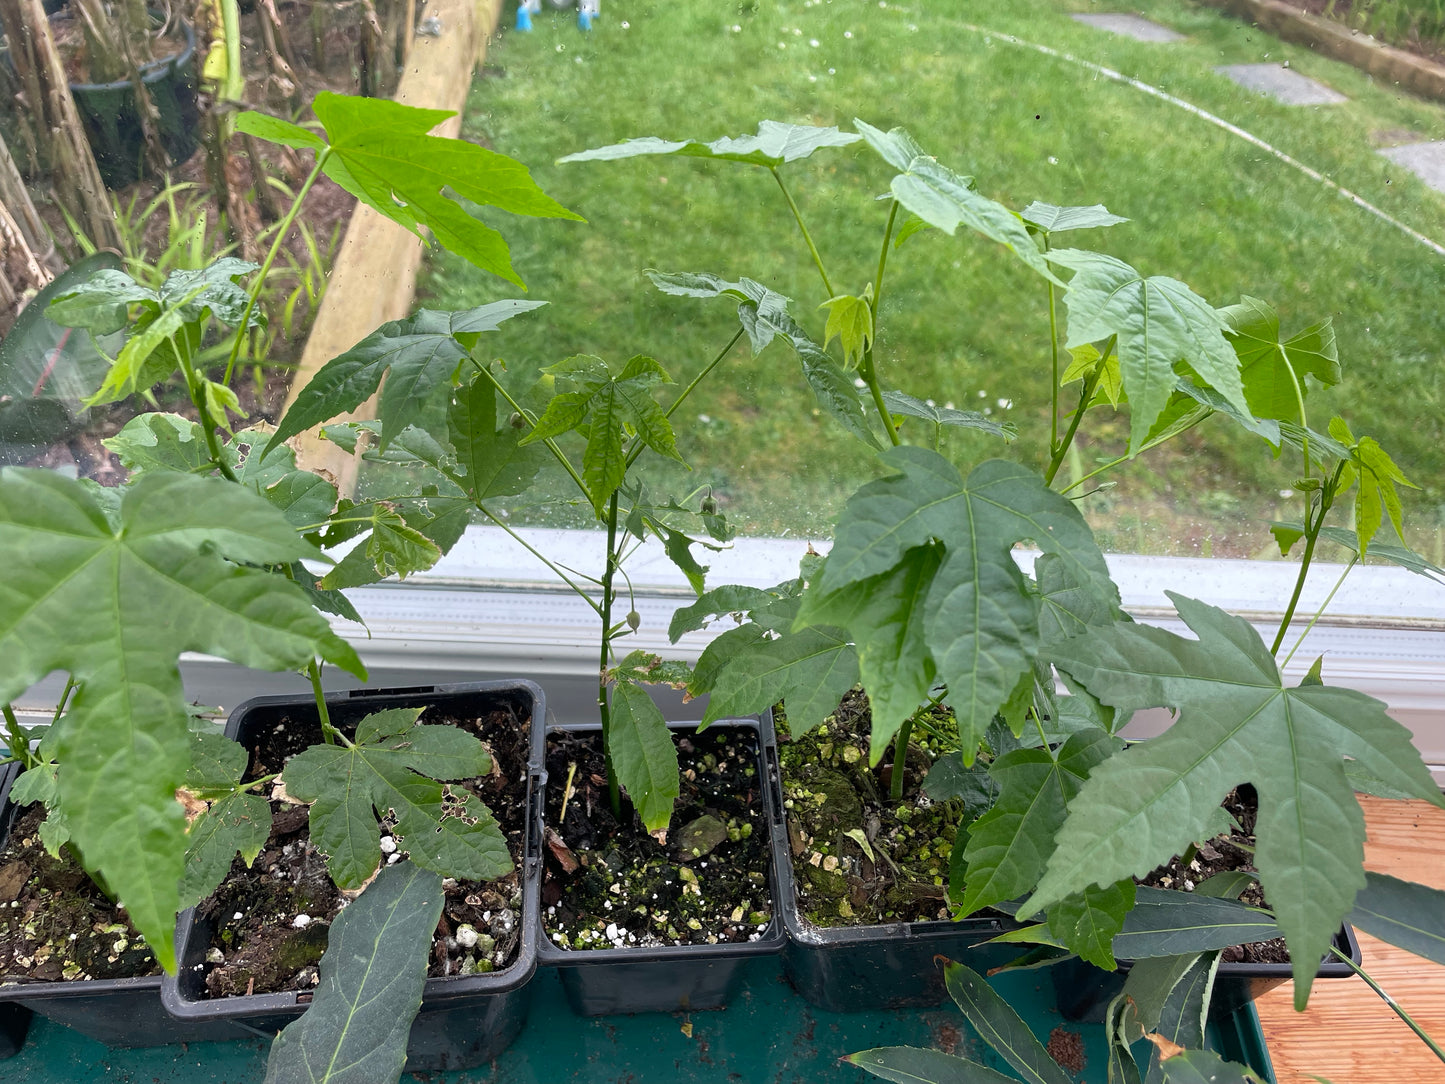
pixel 611 885
pixel 860 858
pixel 1228 853
pixel 55 923
pixel 261 944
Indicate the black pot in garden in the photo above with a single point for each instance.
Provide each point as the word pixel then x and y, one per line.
pixel 111 118
pixel 465 1020
pixel 1083 991
pixel 670 978
pixel 117 1012
pixel 861 968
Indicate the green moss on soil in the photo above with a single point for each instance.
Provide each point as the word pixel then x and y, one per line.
pixel 831 796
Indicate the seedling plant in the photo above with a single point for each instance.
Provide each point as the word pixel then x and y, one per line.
pixel 922 599
pixel 204 550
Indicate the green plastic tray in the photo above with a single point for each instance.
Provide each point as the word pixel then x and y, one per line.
pixel 768 1034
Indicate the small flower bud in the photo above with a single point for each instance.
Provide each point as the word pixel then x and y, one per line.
pixel 634 619
pixel 516 421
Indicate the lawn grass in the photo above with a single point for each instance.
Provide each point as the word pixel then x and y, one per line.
pixel 961 322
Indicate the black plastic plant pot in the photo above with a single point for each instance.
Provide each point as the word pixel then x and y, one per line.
pixel 112 120
pixel 862 968
pixel 1083 991
pixel 465 1021
pixel 116 1012
pixel 666 978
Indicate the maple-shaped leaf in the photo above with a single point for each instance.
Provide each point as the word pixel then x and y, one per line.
pixel 608 407
pixel 1010 844
pixel 395 547
pixel 775 144
pixel 1237 724
pixel 180 308
pixel 115 605
pixel 850 321
pixel 1377 475
pixel 380 152
pixel 1050 218
pixel 417 355
pixel 1087 922
pixel 761 308
pixel 980 620
pixel 1274 369
pixel 393 768
pixel 948 200
pixel 236 821
pixel 1159 322
pixel 764 316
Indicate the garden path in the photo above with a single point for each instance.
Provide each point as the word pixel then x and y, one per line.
pixel 1426 160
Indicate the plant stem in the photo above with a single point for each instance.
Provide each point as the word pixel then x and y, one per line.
pixel 1054 350
pixel 329 732
pixel 1085 398
pixel 1312 535
pixel 259 283
pixel 583 595
pixel 707 369
pixel 866 368
pixel 198 398
pixel 807 237
pixel 1394 1006
pixel 1320 612
pixel 614 794
pixel 17 739
pixel 900 759
pixel 70 686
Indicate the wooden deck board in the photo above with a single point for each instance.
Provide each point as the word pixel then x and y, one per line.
pixel 1348 1035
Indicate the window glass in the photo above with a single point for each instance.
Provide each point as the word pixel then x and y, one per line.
pixel 1226 188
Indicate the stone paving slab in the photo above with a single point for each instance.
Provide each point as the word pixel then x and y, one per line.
pixel 1281 84
pixel 1130 26
pixel 1425 160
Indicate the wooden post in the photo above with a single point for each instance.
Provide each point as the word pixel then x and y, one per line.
pixel 14 196
pixel 76 180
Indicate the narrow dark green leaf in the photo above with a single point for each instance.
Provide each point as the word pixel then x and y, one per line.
pixel 1408 915
pixel 1165 923
pixel 1205 1067
pixel 372 974
pixel 1001 1027
pixel 643 754
pixel 918 1065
